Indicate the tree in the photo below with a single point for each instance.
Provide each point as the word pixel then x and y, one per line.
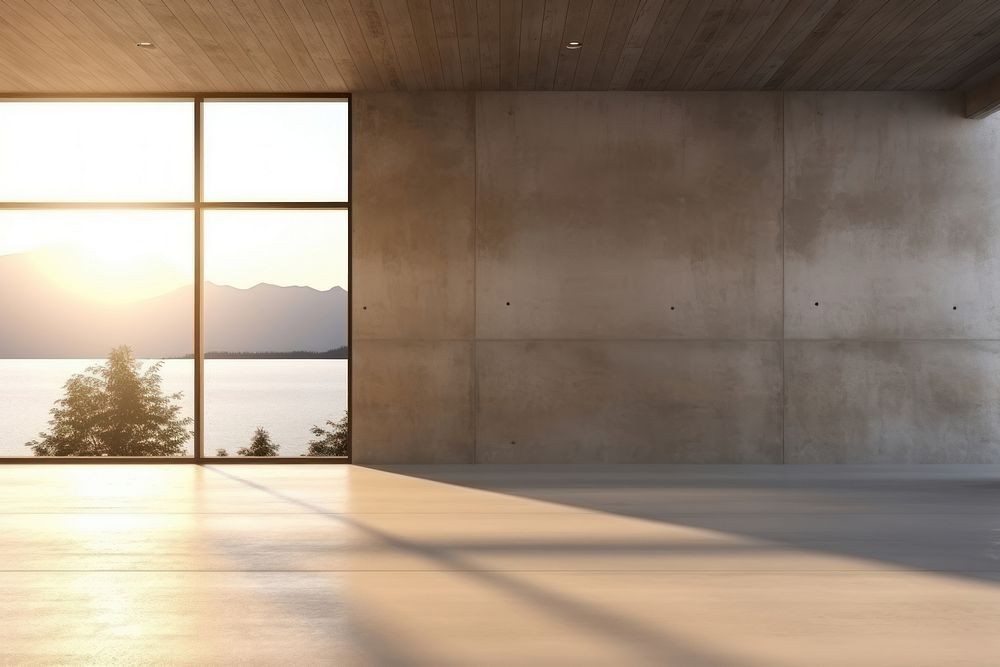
pixel 260 445
pixel 115 409
pixel 221 452
pixel 332 441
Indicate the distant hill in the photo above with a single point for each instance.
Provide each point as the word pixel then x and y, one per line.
pixel 43 321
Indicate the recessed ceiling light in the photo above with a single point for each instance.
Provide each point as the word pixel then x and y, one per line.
pixel 573 46
pixel 145 45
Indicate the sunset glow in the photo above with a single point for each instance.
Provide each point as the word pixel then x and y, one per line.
pixel 104 256
pixel 287 248
pixel 124 256
pixel 143 151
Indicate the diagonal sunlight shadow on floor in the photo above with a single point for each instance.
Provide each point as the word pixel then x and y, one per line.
pixel 935 519
pixel 646 643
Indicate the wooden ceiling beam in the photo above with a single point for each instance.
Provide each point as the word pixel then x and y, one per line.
pixel 983 100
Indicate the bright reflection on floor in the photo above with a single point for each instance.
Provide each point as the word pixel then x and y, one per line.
pixel 445 565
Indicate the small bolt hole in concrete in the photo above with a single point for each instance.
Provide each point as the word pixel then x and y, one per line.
pixel 816 303
pixel 508 303
pixel 954 307
pixel 671 307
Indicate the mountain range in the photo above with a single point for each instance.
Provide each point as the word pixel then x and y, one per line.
pixel 39 319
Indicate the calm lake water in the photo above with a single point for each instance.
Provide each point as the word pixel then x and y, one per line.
pixel 285 396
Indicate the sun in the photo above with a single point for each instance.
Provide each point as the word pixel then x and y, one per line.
pixel 110 257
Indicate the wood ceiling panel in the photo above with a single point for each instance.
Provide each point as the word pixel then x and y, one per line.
pixel 850 54
pixel 894 31
pixel 753 32
pixel 311 41
pixel 838 26
pixel 175 44
pixel 403 38
pixel 635 42
pixel 899 47
pixel 301 42
pixel 354 42
pixel 245 38
pixel 467 22
pixel 81 46
pixel 680 39
pixel 203 22
pixel 984 68
pixel 25 27
pixel 923 52
pixel 112 50
pixel 733 23
pixel 550 43
pixel 969 47
pixel 489 44
pixel 16 50
pixel 614 41
pixel 446 29
pixel 510 42
pixel 336 46
pixel 373 27
pixel 788 38
pixel 663 30
pixel 426 39
pixel 529 43
pixel 574 30
pixel 164 26
pixel 712 22
pixel 115 21
pixel 593 36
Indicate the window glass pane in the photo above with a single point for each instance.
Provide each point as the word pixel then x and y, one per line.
pixel 91 151
pixel 110 291
pixel 275 150
pixel 275 332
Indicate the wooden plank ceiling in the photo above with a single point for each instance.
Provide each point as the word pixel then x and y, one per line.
pixel 81 46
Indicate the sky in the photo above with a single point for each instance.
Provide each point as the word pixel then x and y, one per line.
pixel 120 256
pixel 142 151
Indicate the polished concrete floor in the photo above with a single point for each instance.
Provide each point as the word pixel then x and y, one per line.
pixel 547 565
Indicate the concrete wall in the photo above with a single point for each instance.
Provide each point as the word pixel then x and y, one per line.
pixel 675 277
pixel 892 226
pixel 413 247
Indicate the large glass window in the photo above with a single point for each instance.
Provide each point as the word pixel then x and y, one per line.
pixel 96 351
pixel 94 151
pixel 142 320
pixel 288 151
pixel 275 332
